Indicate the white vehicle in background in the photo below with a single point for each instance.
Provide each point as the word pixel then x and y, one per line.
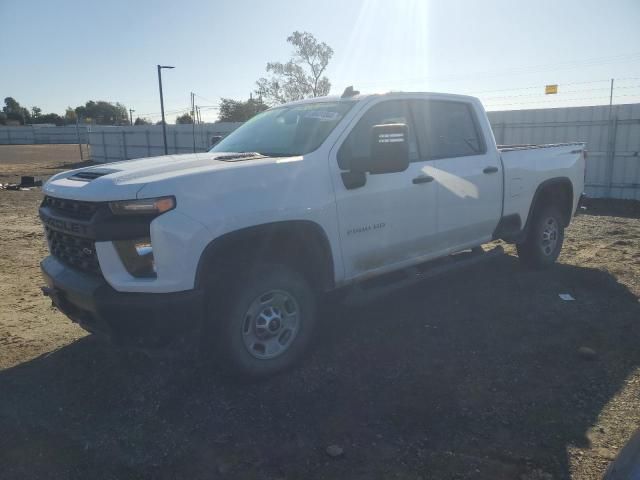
pixel 239 244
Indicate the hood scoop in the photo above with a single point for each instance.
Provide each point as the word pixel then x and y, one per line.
pixel 89 175
pixel 235 157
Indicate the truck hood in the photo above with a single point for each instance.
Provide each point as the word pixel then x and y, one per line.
pixel 124 180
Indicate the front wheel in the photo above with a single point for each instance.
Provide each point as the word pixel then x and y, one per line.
pixel 544 241
pixel 266 322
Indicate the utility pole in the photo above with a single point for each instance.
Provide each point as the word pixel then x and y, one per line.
pixel 193 120
pixel 131 110
pixel 79 142
pixel 611 148
pixel 611 98
pixel 164 123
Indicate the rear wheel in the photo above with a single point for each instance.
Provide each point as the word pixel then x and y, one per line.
pixel 544 241
pixel 266 323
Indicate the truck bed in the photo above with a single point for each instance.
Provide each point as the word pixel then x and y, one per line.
pixel 526 167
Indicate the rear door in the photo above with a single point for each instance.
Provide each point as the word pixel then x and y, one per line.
pixel 467 173
pixel 390 219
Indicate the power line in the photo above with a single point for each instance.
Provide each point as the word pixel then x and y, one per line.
pixel 521 70
pixel 539 86
pixel 151 114
pixel 561 92
pixel 548 101
pixel 204 98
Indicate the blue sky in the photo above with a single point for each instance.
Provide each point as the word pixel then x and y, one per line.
pixel 59 53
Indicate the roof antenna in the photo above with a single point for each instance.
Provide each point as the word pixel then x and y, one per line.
pixel 349 92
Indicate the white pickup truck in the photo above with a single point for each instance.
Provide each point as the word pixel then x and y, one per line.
pixel 239 244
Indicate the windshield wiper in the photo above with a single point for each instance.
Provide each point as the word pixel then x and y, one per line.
pixel 276 154
pixel 233 157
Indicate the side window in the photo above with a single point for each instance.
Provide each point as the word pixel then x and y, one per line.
pixel 358 143
pixel 448 129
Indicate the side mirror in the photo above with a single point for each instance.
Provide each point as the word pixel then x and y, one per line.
pixel 215 139
pixel 389 149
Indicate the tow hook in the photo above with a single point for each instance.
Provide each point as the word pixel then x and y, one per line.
pixel 47 291
pixel 52 295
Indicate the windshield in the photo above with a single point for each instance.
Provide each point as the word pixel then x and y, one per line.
pixel 286 131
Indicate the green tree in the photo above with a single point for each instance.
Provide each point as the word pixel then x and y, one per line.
pixel 142 121
pixel 302 76
pixel 239 111
pixel 70 115
pixel 103 113
pixel 14 111
pixel 3 118
pixel 184 119
pixel 50 118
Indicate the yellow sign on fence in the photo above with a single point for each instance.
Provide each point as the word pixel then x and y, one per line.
pixel 550 89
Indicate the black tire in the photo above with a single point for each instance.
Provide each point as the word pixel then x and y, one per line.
pixel 544 241
pixel 239 319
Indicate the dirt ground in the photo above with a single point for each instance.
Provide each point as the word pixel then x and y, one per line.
pixel 39 160
pixel 477 374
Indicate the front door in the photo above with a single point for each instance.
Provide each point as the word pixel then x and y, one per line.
pixel 391 219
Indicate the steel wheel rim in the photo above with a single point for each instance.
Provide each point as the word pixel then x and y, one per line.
pixel 271 324
pixel 550 233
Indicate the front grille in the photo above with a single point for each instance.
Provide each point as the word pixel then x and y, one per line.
pixel 71 208
pixel 76 252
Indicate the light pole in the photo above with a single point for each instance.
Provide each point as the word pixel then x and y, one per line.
pixel 164 126
pixel 131 110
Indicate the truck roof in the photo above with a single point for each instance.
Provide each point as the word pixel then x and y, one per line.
pixel 395 94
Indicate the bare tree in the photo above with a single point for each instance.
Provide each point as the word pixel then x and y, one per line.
pixel 302 76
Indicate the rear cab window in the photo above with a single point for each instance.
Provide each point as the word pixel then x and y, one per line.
pixel 447 129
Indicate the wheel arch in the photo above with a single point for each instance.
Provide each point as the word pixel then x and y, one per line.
pixel 558 191
pixel 301 243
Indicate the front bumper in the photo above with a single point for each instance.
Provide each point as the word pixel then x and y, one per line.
pixel 146 320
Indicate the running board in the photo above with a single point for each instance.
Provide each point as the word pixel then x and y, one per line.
pixel 368 290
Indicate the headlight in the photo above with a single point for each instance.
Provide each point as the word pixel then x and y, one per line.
pixel 137 256
pixel 145 206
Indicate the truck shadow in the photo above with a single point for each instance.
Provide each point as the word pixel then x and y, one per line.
pixel 475 374
pixel 617 208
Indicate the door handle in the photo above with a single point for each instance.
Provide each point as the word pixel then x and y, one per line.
pixel 490 169
pixel 422 179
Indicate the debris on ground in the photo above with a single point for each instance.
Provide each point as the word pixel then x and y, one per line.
pixel 587 353
pixel 335 451
pixel 29 181
pixel 566 297
pixel 26 184
pixel 606 453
